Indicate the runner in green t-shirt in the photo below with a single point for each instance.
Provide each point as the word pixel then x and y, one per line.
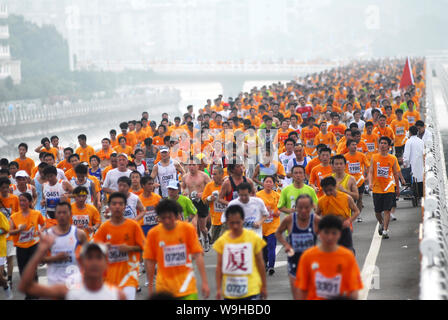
pixel 188 209
pixel 289 194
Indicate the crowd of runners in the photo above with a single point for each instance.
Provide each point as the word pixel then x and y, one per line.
pixel 287 163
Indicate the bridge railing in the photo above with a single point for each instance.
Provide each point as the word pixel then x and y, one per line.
pixel 434 236
pixel 27 112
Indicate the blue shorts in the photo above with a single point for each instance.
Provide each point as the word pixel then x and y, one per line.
pixel 146 229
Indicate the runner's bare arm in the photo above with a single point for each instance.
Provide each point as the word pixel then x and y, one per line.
pixel 286 210
pixel 82 237
pixel 27 284
pixel 179 168
pixel 140 210
pixel 34 192
pixel 218 277
pixel 37 150
pixel 262 271
pixel 255 175
pixel 199 258
pixel 301 294
pixel 370 176
pixel 154 172
pixel 284 225
pixel 150 266
pixel 353 208
pixel 397 179
pixel 353 189
pixel 222 194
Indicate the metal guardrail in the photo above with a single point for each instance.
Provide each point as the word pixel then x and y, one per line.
pixel 434 237
pixel 35 111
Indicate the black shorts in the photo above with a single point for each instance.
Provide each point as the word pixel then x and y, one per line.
pixel 346 239
pixel 399 151
pixel 361 189
pixel 293 263
pixel 202 208
pixel 384 201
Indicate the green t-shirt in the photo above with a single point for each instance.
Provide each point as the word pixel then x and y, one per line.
pixel 404 106
pixel 290 194
pixel 187 205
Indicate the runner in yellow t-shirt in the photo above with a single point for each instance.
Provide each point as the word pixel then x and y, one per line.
pixel 240 270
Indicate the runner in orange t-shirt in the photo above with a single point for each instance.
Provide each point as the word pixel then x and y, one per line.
pixel 321 171
pixel 125 240
pixel 148 218
pixel 169 246
pixel 308 135
pixel 325 137
pixel 210 194
pixel 328 271
pixel 25 163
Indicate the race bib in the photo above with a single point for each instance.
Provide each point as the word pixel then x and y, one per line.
pixel 310 144
pixel 270 218
pixel 129 212
pixel 237 259
pixel 249 222
pixel 354 167
pixel 175 256
pixel 26 236
pixel 150 217
pixel 370 146
pixel 81 222
pixel 382 172
pixel 116 255
pixel 327 288
pixel 411 120
pixel 219 207
pixel 301 241
pixel 149 163
pixel 236 286
pixel 6 212
pixel 68 260
pixel 400 131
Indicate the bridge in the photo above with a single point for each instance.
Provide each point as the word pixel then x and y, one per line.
pixel 231 75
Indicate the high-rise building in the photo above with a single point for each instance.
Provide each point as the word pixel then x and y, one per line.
pixel 8 66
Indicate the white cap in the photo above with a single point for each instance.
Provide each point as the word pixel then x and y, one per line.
pixel 173 184
pixel 22 174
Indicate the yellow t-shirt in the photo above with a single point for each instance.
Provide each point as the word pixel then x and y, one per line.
pixel 4 225
pixel 241 278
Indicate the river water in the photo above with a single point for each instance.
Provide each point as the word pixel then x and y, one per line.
pixel 192 93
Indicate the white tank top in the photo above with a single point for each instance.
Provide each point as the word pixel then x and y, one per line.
pixel 82 293
pixel 58 272
pixel 131 206
pixel 88 184
pixel 53 196
pixel 165 175
pixel 16 192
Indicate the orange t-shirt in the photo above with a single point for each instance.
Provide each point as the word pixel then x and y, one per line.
pixel 150 204
pixel 340 128
pixel 114 143
pixel 158 141
pixel 282 136
pixel 52 150
pixel 329 139
pixel 384 132
pixel 311 165
pixel 400 128
pixel 27 165
pixel 87 217
pixel 412 117
pixel 123 267
pixel 317 174
pixel 127 150
pixel 356 166
pixel 308 135
pixel 85 153
pixel 270 200
pixel 172 249
pixel 131 139
pixel 28 237
pixel 325 275
pixel 140 136
pixel 216 208
pixel 64 165
pixel 383 175
pixel 103 155
pixel 337 205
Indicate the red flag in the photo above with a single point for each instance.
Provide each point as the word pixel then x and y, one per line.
pixel 407 78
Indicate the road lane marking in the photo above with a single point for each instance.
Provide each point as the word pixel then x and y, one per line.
pixel 370 264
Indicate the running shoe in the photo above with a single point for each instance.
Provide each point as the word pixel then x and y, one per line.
pixel 386 234
pixel 380 229
pixel 8 293
pixel 359 219
pixel 139 289
pixel 271 271
pixel 393 217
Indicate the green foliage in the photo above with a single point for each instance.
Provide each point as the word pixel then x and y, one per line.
pixel 44 55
